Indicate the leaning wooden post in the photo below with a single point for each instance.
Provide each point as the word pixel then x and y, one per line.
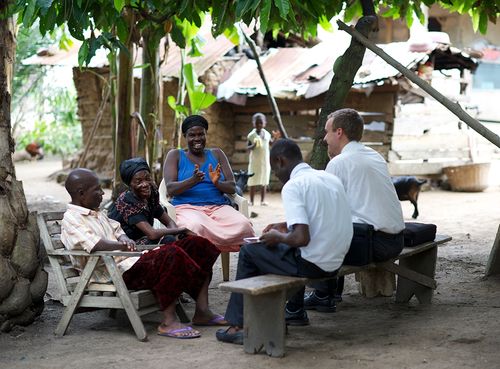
pixel 455 108
pixel 270 97
pixel 493 265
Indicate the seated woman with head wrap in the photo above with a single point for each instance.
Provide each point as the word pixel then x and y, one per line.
pixel 197 179
pixel 137 208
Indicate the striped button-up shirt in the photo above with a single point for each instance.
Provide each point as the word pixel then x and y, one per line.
pixel 82 229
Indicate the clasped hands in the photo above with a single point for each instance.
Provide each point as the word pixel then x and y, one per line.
pixel 214 174
pixel 273 234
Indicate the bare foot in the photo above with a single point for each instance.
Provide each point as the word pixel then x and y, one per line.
pixel 208 318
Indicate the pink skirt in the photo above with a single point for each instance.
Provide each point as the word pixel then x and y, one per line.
pixel 222 225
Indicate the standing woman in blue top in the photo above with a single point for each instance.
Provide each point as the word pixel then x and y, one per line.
pixel 197 179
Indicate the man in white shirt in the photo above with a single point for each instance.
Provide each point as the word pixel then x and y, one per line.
pixel 371 194
pixel 311 243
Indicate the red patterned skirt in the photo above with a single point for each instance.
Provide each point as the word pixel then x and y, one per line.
pixel 181 266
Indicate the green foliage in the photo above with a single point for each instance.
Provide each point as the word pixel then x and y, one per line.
pixel 59 131
pixel 297 16
pixel 480 11
pixel 198 98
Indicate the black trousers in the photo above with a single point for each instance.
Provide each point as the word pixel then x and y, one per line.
pixel 257 259
pixel 385 246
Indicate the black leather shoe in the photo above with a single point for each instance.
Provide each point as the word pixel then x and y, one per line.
pixel 322 304
pixel 223 335
pixel 297 318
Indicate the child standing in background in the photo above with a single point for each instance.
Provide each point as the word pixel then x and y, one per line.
pixel 259 141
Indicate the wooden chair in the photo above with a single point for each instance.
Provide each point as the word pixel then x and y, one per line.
pixel 79 294
pixel 240 201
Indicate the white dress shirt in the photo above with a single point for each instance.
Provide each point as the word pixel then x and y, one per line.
pixel 369 188
pixel 316 198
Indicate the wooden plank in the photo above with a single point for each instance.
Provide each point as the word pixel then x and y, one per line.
pixel 102 302
pixel 419 169
pixel 493 265
pixel 76 296
pixel 270 282
pixel 57 243
pixel 240 145
pixel 97 253
pixel 439 141
pixel 459 153
pixel 410 251
pixel 410 274
pixel 262 284
pixel 376 136
pixel 53 215
pixel 69 271
pixel 101 287
pixel 264 323
pixel 123 294
pixel 239 158
pixel 142 298
pixel 423 263
pixel 47 242
pixel 54 228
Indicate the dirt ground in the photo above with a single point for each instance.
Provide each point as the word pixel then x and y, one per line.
pixel 459 329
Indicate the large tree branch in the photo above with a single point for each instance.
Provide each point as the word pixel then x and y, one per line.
pixel 270 97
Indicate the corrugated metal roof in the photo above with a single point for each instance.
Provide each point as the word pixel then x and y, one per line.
pixel 300 72
pixel 295 73
pixel 213 50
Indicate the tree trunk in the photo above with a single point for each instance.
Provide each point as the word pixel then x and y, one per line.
pixel 150 89
pixel 23 282
pixel 123 142
pixel 345 69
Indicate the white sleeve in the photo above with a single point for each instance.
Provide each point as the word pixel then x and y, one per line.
pixel 294 205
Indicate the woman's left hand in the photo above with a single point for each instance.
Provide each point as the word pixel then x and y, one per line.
pixel 214 174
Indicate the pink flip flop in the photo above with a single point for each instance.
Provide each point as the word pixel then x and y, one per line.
pixel 216 320
pixel 178 333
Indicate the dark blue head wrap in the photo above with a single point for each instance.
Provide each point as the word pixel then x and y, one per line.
pixel 194 121
pixel 130 167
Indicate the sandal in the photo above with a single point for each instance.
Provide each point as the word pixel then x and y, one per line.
pixel 214 321
pixel 223 335
pixel 181 333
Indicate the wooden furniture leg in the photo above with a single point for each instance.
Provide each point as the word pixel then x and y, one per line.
pixel 224 258
pixel 376 282
pixel 264 323
pixel 181 313
pixel 122 292
pixel 423 263
pixel 76 296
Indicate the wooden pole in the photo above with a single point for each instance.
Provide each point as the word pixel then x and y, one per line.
pixel 97 121
pixel 270 97
pixel 455 108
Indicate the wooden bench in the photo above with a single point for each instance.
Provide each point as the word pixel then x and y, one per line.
pixel 264 297
pixel 79 294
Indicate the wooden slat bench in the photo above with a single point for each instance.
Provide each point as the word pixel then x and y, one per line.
pixel 79 294
pixel 264 297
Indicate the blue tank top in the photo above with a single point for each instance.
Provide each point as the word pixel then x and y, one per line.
pixel 203 193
